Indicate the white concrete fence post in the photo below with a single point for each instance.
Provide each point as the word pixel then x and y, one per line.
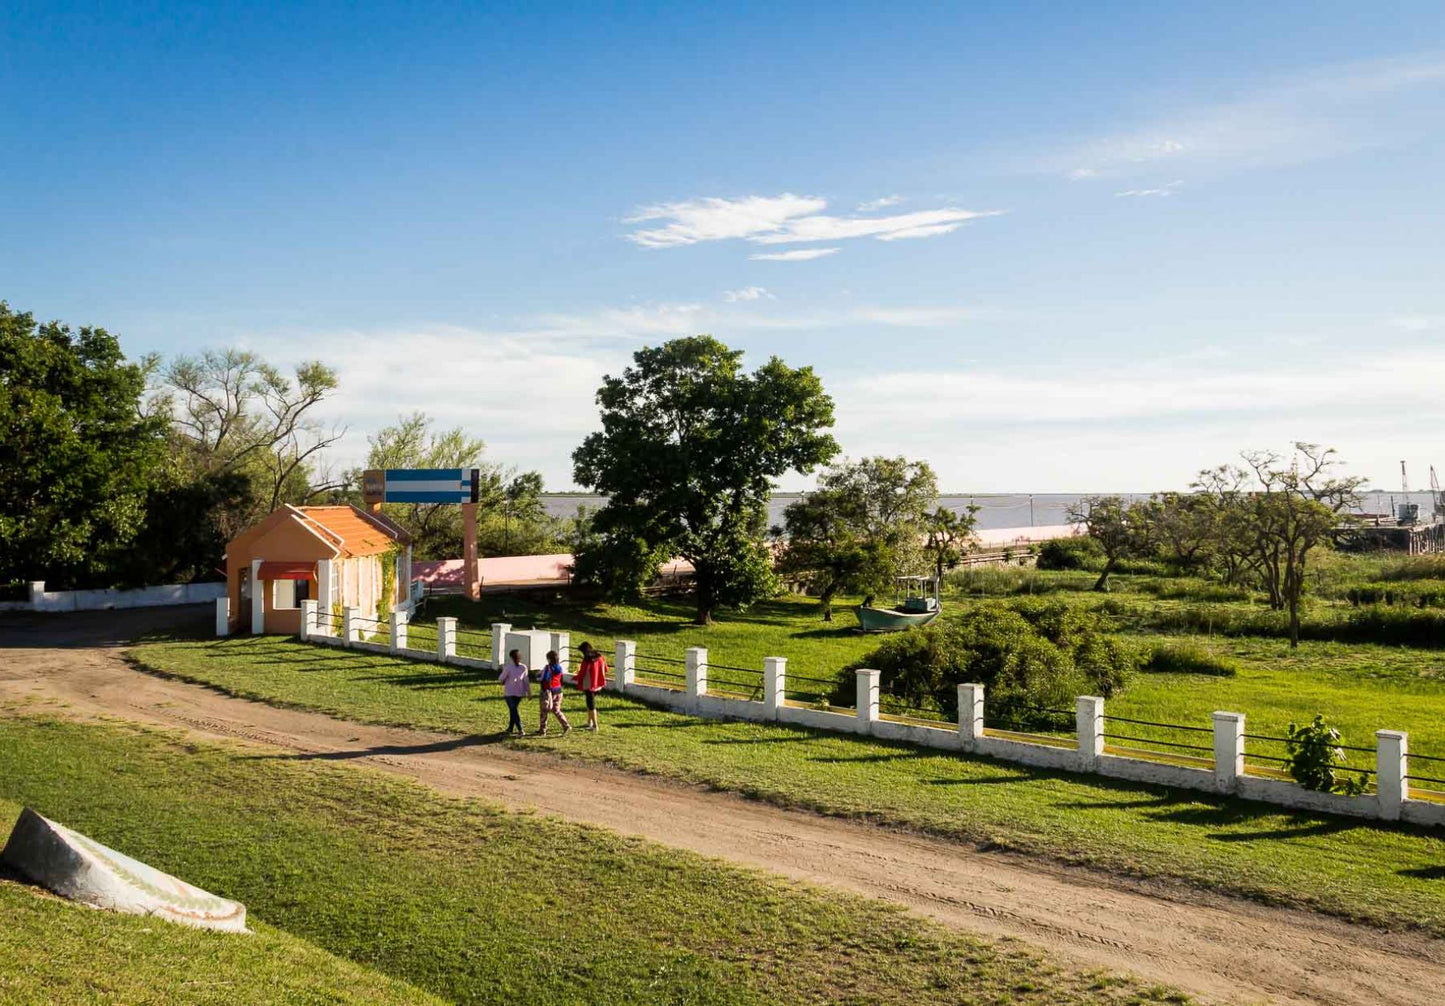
pixel 446 638
pixel 37 594
pixel 400 620
pixel 775 684
pixel 624 667
pixel 499 644
pixel 867 699
pixel 351 624
pixel 223 618
pixel 1392 769
pixel 308 619
pixel 970 715
pixel 696 672
pixel 1228 750
pixel 1089 721
pixel 561 643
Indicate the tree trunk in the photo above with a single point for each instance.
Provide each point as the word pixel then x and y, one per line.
pixel 1102 583
pixel 827 603
pixel 1293 622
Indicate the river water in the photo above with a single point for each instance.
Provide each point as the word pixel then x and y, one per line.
pixel 999 510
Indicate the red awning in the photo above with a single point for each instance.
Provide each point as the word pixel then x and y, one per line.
pixel 288 571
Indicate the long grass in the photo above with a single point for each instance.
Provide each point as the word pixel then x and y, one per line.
pixel 1348 867
pixel 466 902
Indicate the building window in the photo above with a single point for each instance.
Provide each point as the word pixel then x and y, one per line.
pixel 290 593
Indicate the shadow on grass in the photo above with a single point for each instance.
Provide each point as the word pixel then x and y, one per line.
pixel 1423 873
pixel 435 747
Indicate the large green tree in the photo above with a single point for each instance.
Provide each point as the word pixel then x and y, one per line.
pixel 866 523
pixel 689 447
pixel 77 455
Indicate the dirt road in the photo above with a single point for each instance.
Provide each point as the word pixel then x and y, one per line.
pixel 1221 949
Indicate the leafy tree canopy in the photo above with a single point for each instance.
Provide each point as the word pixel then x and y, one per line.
pixel 689 447
pixel 77 456
pixel 866 523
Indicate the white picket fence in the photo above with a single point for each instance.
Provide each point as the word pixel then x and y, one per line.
pixel 1084 753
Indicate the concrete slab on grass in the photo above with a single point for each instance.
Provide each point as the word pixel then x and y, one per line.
pixel 83 870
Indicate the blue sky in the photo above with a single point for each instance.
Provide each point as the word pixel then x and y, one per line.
pixel 1047 247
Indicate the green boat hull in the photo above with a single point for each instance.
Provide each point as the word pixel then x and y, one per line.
pixel 890 620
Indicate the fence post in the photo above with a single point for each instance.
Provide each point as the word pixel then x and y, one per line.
pixel 561 643
pixel 775 684
pixel 499 644
pixel 1228 750
pixel 223 618
pixel 351 624
pixel 399 621
pixel 624 668
pixel 308 619
pixel 867 699
pixel 446 638
pixel 1089 721
pixel 696 672
pixel 970 715
pixel 1392 768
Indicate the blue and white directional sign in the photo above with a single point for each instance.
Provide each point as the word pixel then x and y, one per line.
pixel 423 485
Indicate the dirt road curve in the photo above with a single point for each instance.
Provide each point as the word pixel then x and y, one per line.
pixel 1220 949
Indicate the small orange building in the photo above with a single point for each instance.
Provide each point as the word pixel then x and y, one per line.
pixel 341 556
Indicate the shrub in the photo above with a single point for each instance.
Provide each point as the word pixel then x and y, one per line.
pixel 1031 656
pixel 1189 657
pixel 1071 553
pixel 1315 757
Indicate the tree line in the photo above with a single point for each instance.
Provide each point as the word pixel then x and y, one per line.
pixel 120 473
pixel 123 473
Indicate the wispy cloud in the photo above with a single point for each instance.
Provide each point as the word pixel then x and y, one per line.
pixel 784 219
pixel 793 255
pixel 747 293
pixel 1162 190
pixel 1418 322
pixel 873 205
pixel 1332 111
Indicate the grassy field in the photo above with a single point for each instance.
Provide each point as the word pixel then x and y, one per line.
pixel 54 951
pixel 1390 876
pixel 1359 687
pixel 467 903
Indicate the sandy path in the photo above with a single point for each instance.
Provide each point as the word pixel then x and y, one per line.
pixel 1222 949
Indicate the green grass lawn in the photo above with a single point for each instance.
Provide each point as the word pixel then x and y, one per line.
pixel 466 902
pixel 1391 876
pixel 54 951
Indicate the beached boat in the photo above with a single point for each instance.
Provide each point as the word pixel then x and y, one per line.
pixel 913 607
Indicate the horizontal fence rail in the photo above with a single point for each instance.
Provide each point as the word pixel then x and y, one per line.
pixel 1087 739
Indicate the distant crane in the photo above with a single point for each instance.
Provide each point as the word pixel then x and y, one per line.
pixel 1404 480
pixel 1439 497
pixel 1406 512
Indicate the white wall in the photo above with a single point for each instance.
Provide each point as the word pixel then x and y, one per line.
pixel 100 600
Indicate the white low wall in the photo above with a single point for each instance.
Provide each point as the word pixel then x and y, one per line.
pixel 102 600
pixel 1086 752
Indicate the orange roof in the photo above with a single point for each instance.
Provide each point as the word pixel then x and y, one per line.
pixel 353 531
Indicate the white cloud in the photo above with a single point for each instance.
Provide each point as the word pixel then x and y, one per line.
pixel 747 293
pixel 1162 190
pixel 793 255
pixel 714 219
pixel 1418 322
pixel 873 205
pixel 784 219
pixel 1332 111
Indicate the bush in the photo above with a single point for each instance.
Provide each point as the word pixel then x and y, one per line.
pixel 1031 656
pixel 1071 553
pixel 1408 594
pixel 1315 756
pixel 1189 657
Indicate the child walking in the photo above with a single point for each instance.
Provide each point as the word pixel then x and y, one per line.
pixel 591 678
pixel 516 685
pixel 552 694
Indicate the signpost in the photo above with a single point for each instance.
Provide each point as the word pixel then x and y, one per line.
pixel 432 485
